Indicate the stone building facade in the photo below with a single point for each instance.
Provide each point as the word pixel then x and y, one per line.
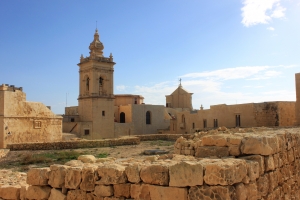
pixel 100 113
pixel 22 121
pixel 278 113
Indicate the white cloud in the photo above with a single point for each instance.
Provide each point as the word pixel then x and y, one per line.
pixel 121 87
pixel 230 86
pixel 271 28
pixel 261 11
pixel 229 73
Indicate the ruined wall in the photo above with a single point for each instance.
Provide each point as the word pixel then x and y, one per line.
pixel 264 166
pixel 23 121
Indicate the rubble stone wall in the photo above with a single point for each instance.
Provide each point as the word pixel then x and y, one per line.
pixel 241 166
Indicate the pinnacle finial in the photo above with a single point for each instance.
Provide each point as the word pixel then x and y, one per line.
pixel 180 82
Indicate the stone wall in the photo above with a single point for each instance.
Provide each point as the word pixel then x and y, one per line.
pixel 242 166
pixel 75 144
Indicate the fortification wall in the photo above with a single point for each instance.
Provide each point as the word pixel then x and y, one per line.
pixel 254 166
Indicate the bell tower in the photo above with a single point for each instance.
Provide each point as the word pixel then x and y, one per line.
pixel 96 96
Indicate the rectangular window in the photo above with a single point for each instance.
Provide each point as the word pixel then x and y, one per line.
pixel 86 132
pixel 72 119
pixel 193 125
pixel 215 123
pixel 103 113
pixel 237 120
pixel 204 123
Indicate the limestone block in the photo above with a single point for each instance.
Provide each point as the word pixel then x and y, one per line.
pixel 186 174
pixel 276 160
pixel 87 158
pixel 23 191
pixel 88 180
pixel 38 176
pixel 251 191
pixel 207 151
pixel 57 175
pixel 168 193
pixel 260 145
pixel 263 185
pixel 57 195
pixel 114 198
pixel 273 182
pixel 122 190
pixel 259 159
pixel 104 190
pixel 38 192
pixel 155 174
pixel 10 192
pixel 140 191
pixel 73 178
pixel 234 140
pixel 252 171
pixel 212 193
pixel 74 163
pixel 214 140
pixel 225 172
pixel 102 160
pixel 241 192
pixel 234 150
pixel 111 174
pixel 90 196
pixel 133 173
pixel 269 163
pixel 76 195
pixel 290 154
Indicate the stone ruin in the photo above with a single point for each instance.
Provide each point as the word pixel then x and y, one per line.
pixel 221 165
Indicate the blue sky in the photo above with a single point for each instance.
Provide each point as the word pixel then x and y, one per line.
pixel 236 51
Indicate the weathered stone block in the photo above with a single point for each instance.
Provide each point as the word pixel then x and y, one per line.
pixel 104 190
pixel 88 180
pixel 186 174
pixel 269 163
pixel 140 191
pixel 259 159
pixel 133 173
pixel 73 178
pixel 212 193
pixel 260 145
pixel 208 151
pixel 38 176
pixel 57 175
pixel 122 190
pixel 168 193
pixel 87 158
pixel 263 185
pixel 155 174
pixel 252 171
pixel 57 195
pixel 234 150
pixel 214 140
pixel 111 174
pixel 76 195
pixel 225 172
pixel 10 192
pixel 38 192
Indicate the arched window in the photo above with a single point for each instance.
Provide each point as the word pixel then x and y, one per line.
pixel 87 84
pixel 122 117
pixel 183 119
pixel 101 81
pixel 148 117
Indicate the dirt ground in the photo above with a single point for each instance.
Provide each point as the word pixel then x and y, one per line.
pixel 24 160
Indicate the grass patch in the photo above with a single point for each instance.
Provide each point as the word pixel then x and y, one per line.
pixel 49 157
pixel 161 143
pixel 102 155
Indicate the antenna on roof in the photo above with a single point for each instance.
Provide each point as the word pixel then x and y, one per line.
pixel 96 25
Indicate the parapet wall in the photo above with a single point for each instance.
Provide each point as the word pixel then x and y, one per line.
pixel 254 166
